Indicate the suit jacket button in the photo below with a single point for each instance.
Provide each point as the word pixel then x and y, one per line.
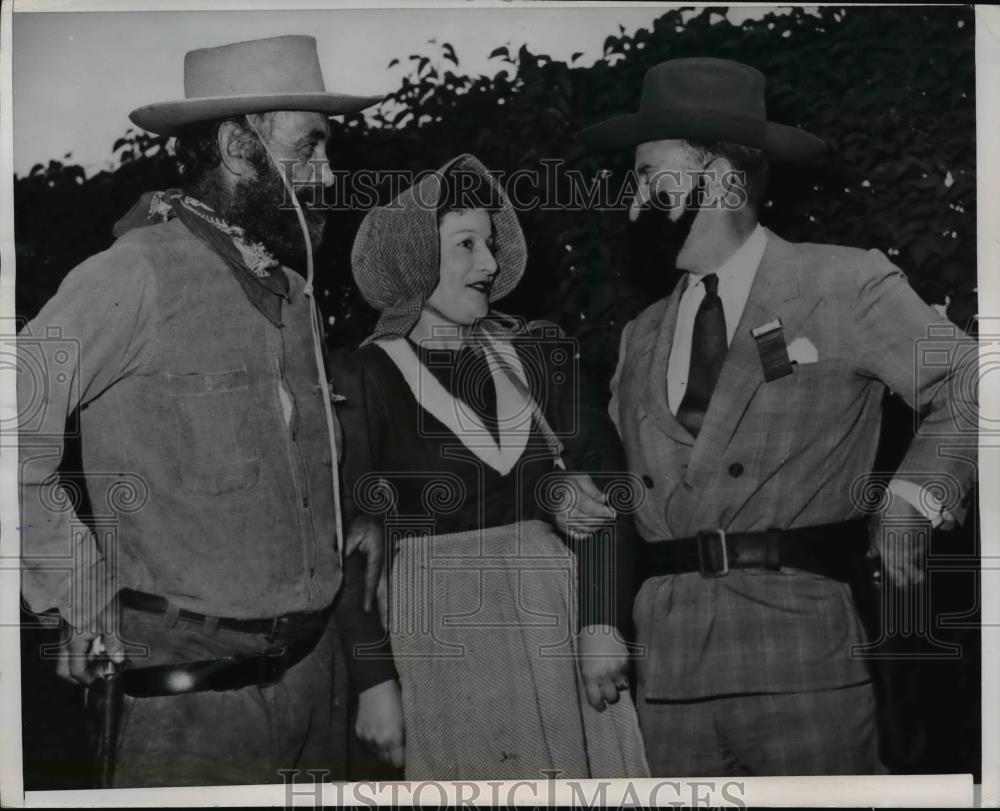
pixel 647 480
pixel 736 470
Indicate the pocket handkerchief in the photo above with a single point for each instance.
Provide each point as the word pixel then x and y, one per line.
pixel 802 351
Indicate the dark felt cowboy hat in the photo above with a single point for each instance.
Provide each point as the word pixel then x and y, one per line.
pixel 258 76
pixel 707 100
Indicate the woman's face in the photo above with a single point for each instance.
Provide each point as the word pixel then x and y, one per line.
pixel 468 267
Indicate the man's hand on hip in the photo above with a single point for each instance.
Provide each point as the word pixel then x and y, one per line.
pixel 84 655
pixel 900 535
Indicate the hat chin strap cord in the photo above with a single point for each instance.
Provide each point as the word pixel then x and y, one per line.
pixel 317 343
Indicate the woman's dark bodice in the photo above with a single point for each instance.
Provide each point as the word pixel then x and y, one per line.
pixel 438 484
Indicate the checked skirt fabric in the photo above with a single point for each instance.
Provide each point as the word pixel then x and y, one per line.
pixel 481 632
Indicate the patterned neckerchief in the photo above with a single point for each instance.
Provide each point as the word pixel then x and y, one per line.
pixel 260 275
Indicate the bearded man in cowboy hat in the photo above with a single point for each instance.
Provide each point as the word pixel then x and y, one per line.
pixel 749 401
pixel 200 384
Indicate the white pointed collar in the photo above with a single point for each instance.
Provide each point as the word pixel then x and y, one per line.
pixel 514 414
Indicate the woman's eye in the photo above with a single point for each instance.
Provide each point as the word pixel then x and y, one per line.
pixel 466 243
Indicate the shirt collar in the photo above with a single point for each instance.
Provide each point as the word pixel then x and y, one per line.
pixel 259 274
pixel 743 264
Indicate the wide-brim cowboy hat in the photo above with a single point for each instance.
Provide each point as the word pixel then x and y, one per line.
pixel 706 99
pixel 257 76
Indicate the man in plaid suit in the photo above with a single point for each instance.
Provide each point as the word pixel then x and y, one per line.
pixel 749 403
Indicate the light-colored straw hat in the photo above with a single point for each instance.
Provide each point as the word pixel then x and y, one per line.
pixel 257 76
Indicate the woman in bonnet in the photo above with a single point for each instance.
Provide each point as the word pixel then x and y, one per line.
pixel 461 427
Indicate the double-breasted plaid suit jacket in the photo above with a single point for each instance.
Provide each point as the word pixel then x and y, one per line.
pixel 791 452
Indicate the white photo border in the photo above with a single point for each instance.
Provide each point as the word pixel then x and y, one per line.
pixel 908 790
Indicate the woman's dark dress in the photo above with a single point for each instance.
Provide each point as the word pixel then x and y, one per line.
pixel 386 430
pixel 441 490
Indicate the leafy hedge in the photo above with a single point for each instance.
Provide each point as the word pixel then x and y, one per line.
pixel 891 89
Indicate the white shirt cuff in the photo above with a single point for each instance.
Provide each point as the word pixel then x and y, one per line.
pixel 924 502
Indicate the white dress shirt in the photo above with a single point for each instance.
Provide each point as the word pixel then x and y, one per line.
pixel 735 280
pixel 286 402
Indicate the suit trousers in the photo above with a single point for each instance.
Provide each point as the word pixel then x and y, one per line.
pixel 235 737
pixel 821 732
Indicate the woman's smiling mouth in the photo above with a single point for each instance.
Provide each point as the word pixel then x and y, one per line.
pixel 483 287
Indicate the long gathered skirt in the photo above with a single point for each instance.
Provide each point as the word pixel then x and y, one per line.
pixel 482 635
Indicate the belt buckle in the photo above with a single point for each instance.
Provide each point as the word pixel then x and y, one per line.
pixel 274 665
pixel 713 559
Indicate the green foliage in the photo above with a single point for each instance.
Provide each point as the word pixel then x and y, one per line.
pixel 891 89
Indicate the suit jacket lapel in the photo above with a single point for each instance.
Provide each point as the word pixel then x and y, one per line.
pixel 655 399
pixel 774 294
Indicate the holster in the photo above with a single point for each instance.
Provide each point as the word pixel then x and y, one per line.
pixel 104 706
pixel 901 728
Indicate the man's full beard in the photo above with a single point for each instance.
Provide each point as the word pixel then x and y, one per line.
pixel 261 207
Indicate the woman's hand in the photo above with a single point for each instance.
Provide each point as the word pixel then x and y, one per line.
pixel 581 507
pixel 366 536
pixel 603 664
pixel 380 722
pixel 382 598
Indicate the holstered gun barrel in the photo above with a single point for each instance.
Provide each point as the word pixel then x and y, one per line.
pixel 104 705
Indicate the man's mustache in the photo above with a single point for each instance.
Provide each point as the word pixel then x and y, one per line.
pixel 653 223
pixel 662 202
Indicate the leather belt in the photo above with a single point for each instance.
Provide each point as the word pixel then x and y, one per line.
pixel 231 673
pixel 303 629
pixel 292 624
pixel 830 550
